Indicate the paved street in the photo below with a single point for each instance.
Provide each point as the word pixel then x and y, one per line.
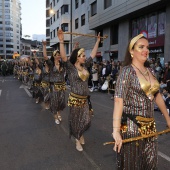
pixel 30 140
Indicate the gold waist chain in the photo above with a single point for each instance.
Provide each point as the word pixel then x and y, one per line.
pixel 76 100
pixel 45 84
pixel 60 86
pixel 146 126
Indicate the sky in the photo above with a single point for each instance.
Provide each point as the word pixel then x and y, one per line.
pixel 33 14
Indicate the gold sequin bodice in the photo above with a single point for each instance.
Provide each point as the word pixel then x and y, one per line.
pixel 146 86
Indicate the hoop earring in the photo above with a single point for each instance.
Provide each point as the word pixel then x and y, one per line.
pixel 131 55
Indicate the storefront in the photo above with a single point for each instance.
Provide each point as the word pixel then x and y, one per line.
pixel 153 27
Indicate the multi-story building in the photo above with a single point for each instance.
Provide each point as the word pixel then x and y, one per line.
pixel 57 16
pixel 29 47
pixel 10 28
pixel 119 20
pixel 123 19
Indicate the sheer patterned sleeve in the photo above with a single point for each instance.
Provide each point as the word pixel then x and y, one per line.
pixel 123 83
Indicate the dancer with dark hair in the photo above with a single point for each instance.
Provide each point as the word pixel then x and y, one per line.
pixel 55 69
pixel 136 91
pixel 79 100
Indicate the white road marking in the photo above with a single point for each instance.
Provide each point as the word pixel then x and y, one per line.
pixel 164 156
pixel 0 92
pixel 26 90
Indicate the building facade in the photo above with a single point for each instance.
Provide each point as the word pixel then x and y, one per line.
pixel 120 20
pixel 123 19
pixel 57 16
pixel 10 28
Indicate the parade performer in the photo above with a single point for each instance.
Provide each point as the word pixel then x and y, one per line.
pixel 56 71
pixel 79 100
pixel 37 80
pixel 133 115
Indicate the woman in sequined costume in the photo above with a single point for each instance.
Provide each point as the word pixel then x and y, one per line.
pixel 56 71
pixel 136 91
pixel 45 84
pixel 78 101
pixel 36 65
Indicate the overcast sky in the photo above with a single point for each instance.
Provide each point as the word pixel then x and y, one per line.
pixel 33 17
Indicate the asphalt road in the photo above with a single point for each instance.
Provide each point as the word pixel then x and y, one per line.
pixel 30 140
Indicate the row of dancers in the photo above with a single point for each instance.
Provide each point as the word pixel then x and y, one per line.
pixel 46 78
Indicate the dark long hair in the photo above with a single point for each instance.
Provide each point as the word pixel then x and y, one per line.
pixel 52 57
pixel 128 59
pixel 73 57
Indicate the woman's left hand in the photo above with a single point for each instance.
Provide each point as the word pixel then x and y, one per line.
pixel 60 35
pixel 168 123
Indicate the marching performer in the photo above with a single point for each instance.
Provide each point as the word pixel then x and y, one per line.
pixel 56 71
pixel 136 91
pixel 79 100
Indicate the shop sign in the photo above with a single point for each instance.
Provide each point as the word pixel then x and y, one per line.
pixel 156 50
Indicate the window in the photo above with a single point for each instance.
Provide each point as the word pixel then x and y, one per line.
pixel 76 23
pixel 9 51
pixel 114 34
pixel 9 29
pixel 82 1
pixel 54 18
pixel 7 16
pixel 7 5
pixel 57 14
pixel 64 9
pixel 7 11
pixel 9 40
pixel 83 20
pixel 67 48
pixel 53 33
pixel 9 46
pixel 76 4
pixel 107 3
pixel 64 26
pixel 51 21
pixel 94 8
pixel 53 3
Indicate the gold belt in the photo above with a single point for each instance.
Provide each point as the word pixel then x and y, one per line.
pixel 146 126
pixel 24 73
pixel 59 86
pixel 45 84
pixel 37 84
pixel 76 100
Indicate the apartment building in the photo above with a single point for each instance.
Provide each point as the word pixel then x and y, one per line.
pixel 10 28
pixel 120 20
pixel 58 15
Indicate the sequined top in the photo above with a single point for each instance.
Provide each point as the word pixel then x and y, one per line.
pixel 78 86
pixel 45 75
pixel 135 100
pixel 55 74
